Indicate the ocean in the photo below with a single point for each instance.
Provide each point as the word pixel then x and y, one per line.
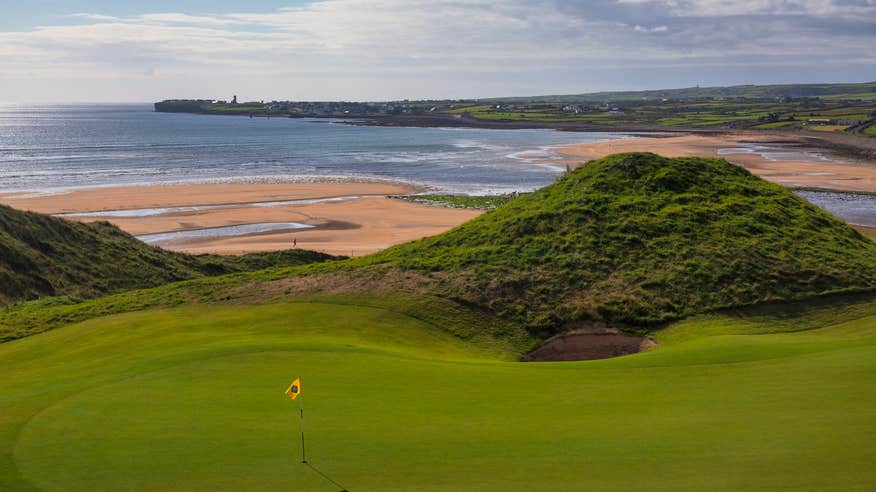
pixel 69 146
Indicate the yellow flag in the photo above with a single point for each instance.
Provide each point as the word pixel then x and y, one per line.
pixel 294 389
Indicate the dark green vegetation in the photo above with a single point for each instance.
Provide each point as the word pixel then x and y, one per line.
pixel 192 399
pixel 486 202
pixel 47 256
pixel 207 107
pixel 639 239
pixel 635 240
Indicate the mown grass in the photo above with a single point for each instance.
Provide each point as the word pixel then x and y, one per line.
pixel 192 399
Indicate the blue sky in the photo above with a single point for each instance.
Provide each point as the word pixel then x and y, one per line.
pixel 27 14
pixel 101 50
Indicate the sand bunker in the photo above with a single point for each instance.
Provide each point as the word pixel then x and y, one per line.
pixel 589 344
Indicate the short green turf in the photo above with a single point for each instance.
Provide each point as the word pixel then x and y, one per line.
pixel 192 399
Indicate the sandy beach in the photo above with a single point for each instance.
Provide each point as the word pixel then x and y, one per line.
pixel 351 218
pixel 792 169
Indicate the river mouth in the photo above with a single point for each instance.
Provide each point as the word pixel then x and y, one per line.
pixel 591 343
pixel 226 231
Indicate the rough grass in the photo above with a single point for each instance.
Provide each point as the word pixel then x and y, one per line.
pixel 192 399
pixel 639 239
pixel 43 256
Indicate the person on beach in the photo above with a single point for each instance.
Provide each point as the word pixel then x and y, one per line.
pixel 294 242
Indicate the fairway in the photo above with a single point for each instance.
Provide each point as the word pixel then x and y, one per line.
pixel 192 399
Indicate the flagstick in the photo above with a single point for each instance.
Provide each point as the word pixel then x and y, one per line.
pixel 301 425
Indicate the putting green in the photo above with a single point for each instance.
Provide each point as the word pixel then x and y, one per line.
pixel 192 399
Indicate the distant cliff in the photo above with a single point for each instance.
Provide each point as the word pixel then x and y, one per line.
pixel 182 106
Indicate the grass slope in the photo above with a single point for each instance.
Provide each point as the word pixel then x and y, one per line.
pixel 639 239
pixel 42 256
pixel 191 399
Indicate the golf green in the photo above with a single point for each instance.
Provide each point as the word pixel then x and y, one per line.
pixel 192 399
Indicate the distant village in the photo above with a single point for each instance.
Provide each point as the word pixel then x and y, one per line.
pixel 309 108
pixel 768 112
pixel 344 108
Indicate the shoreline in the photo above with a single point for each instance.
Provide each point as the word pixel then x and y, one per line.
pixel 257 180
pixel 135 197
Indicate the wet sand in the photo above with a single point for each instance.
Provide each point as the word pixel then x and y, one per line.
pixel 175 195
pixel 363 221
pixel 790 167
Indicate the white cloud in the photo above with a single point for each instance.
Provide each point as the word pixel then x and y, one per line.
pixel 96 17
pixel 639 28
pixel 711 8
pixel 456 40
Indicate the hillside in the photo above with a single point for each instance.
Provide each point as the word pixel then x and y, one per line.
pixel 777 91
pixel 637 240
pixel 42 256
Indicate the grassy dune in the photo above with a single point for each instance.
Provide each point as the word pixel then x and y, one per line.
pixel 191 399
pixel 42 256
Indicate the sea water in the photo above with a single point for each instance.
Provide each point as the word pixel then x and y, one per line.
pixel 51 147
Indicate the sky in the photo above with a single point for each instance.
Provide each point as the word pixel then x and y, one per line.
pixel 143 51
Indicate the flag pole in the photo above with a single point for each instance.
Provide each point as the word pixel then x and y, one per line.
pixel 301 427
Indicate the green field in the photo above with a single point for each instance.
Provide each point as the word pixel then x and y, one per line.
pixel 480 202
pixel 192 399
pixel 864 96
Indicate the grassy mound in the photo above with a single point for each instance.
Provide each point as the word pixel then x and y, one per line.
pixel 639 239
pixel 43 256
pixel 192 399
